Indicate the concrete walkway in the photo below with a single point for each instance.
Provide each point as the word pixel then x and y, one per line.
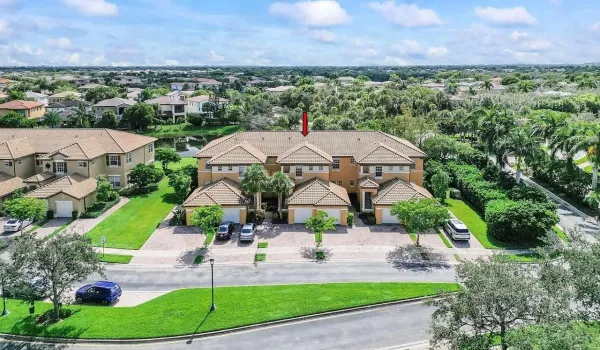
pixel 52 226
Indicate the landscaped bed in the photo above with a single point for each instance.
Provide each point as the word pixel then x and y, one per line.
pixel 187 311
pixel 115 258
pixel 186 129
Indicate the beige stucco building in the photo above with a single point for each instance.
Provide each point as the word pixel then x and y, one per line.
pixel 29 109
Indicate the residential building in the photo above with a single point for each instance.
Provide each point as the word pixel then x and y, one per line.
pixel 66 108
pixel 169 106
pixel 134 93
pixel 117 105
pixel 4 83
pixel 87 87
pixel 204 83
pixel 345 80
pixel 183 86
pixel 30 109
pixel 279 89
pixel 61 165
pixel 62 96
pixel 36 96
pixel 127 79
pixel 180 95
pixel 199 104
pixel 327 168
pixel 256 82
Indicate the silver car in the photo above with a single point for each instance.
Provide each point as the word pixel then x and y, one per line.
pixel 247 233
pixel 13 225
pixel 457 230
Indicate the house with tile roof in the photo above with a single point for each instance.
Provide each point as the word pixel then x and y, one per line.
pixel 30 109
pixel 169 106
pixel 65 95
pixel 203 104
pixel 116 105
pixel 327 168
pixel 61 165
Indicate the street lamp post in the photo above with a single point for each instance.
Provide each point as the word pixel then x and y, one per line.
pixel 212 284
pixel 4 310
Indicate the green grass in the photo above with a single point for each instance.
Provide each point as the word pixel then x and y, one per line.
pixel 560 233
pixel 37 225
pixel 524 258
pixel 209 238
pixel 186 129
pixel 176 166
pixel 413 236
pixel 588 169
pixel 130 226
pixel 260 257
pixel 186 311
pixel 115 258
pixel 62 227
pixel 443 237
pixel 198 259
pixel 263 244
pixel 318 237
pixel 580 160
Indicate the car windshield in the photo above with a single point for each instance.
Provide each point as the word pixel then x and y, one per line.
pixel 222 228
pixel 11 222
pixel 246 230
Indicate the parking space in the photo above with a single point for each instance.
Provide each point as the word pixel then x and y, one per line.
pixel 472 243
pixel 174 238
pixel 379 235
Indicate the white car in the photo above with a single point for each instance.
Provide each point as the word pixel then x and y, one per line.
pixel 457 230
pixel 13 225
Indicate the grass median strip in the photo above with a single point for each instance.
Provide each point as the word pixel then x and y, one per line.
pixel 443 237
pixel 115 258
pixel 186 311
pixel 62 227
pixel 260 257
pixel 560 233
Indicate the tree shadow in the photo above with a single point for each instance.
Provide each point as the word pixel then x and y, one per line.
pixel 199 326
pixel 29 326
pixel 422 258
pixel 169 198
pixel 320 254
pixel 187 257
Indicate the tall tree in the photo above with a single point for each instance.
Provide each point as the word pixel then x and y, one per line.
pixel 52 119
pixel 25 208
pixel 207 218
pixel 420 215
pixel 81 117
pixel 166 156
pixel 256 180
pixel 139 116
pixel 523 145
pixel 282 185
pixel 495 124
pixel 587 139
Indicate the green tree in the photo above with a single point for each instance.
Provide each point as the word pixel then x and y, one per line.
pixel 546 123
pixel 104 190
pixel 440 183
pixel 519 221
pixel 526 86
pixel 320 223
pixel 166 156
pixel 281 185
pixel 108 120
pixel 82 117
pixel 100 93
pixel 319 123
pixel 440 147
pixel 181 185
pixel 52 119
pixel 139 116
pixel 495 124
pixel 57 263
pixel 149 93
pixel 256 180
pixel 487 84
pixel 523 145
pixel 25 208
pixel 207 218
pixel 142 175
pixel 420 215
pixel 554 336
pixel 587 139
pixel 15 120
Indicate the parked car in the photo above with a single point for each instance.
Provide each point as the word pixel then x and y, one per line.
pixel 247 233
pixel 13 225
pixel 225 230
pixel 457 230
pixel 103 292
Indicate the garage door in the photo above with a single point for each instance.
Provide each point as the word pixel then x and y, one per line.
pixel 302 214
pixel 334 213
pixel 64 209
pixel 232 214
pixel 387 217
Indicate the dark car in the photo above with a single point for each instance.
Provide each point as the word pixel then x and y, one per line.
pixel 225 230
pixel 103 292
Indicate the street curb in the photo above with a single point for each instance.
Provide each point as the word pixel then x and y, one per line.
pixel 190 337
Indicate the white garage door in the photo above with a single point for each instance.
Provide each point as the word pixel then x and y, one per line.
pixel 232 214
pixel 302 214
pixel 64 209
pixel 334 213
pixel 387 217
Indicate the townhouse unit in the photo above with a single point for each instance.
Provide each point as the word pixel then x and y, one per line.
pixel 203 104
pixel 328 168
pixel 169 106
pixel 36 96
pixel 60 166
pixel 62 96
pixel 116 105
pixel 29 109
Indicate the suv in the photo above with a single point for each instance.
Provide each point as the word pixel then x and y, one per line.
pixel 247 233
pixel 225 230
pixel 103 292
pixel 457 230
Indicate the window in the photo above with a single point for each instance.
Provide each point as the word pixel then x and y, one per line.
pixel 336 164
pixel 351 183
pixel 128 158
pixel 310 167
pixel 38 162
pixel 241 171
pixel 412 167
pixel 151 148
pixel 298 170
pixel 391 168
pixel 208 167
pixel 7 163
pixel 60 167
pixel 114 160
pixel 82 164
pixel 352 161
pixel 378 171
pixel 206 182
pixel 320 167
pixel 115 180
pixel 230 168
pixel 339 183
pixel 219 168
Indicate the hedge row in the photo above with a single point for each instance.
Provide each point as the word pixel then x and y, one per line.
pixel 568 178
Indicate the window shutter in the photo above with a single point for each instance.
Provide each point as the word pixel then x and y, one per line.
pixel 53 167
pixel 119 160
pixel 107 160
pixel 65 165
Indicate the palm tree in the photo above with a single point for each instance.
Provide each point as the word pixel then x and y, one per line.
pixel 281 184
pixel 495 124
pixel 52 119
pixel 520 143
pixel 562 140
pixel 81 118
pixel 487 84
pixel 256 180
pixel 525 86
pixel 588 139
pixel 547 123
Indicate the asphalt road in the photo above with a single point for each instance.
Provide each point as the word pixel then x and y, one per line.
pixel 396 327
pixel 166 279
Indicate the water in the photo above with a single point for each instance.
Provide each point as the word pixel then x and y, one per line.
pixel 186 146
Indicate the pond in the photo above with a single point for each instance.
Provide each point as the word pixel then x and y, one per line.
pixel 186 146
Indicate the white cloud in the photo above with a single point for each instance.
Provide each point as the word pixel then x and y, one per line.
pixel 517 35
pixel 74 58
pixel 523 56
pixel 506 16
pixel 93 7
pixel 121 64
pixel 257 58
pixel 312 13
pixel 394 61
pixel 536 45
pixel 325 36
pixel 99 60
pixel 407 47
pixel 406 15
pixel 595 27
pixel 215 57
pixel 437 51
pixel 59 43
pixel 171 63
pixel 4 28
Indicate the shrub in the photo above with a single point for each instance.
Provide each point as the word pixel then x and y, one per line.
pixel 283 218
pixel 50 214
pixel 99 208
pixel 350 219
pixel 367 218
pixel 195 119
pixel 256 216
pixel 75 214
pixel 519 221
pixel 178 217
pixel 469 180
pixel 529 193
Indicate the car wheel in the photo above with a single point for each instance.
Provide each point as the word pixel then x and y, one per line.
pixel 105 302
pixel 78 300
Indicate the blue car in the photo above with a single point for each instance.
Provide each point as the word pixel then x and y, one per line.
pixel 103 292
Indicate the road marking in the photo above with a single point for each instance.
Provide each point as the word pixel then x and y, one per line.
pixel 423 344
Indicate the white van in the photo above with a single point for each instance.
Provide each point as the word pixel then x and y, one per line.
pixel 457 230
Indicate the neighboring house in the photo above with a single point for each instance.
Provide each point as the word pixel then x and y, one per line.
pixel 375 84
pixel 169 106
pixel 327 168
pixel 127 79
pixel 87 87
pixel 36 96
pixel 256 82
pixel 62 164
pixel 65 95
pixel 117 105
pixel 4 83
pixel 198 104
pixel 30 109
pixel 345 80
pixel 203 83
pixel 180 95
pixel 134 93
pixel 184 86
pixel 66 108
pixel 279 89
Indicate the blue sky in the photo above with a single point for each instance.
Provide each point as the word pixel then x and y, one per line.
pixel 323 32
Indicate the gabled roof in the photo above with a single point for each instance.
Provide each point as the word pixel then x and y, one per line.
pixel 33 94
pixel 66 94
pixel 222 192
pixel 304 153
pixel 91 86
pixel 378 153
pixel 367 182
pixel 396 190
pixel 164 100
pixel 114 102
pixel 9 184
pixel 242 153
pixel 74 185
pixel 86 149
pixel 68 104
pixel 318 192
pixel 20 104
pixel 40 177
pixel 15 149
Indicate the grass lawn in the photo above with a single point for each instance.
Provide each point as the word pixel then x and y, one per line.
pixel 524 258
pixel 580 160
pixel 560 233
pixel 443 237
pixel 186 311
pixel 186 129
pixel 115 258
pixel 260 257
pixel 263 244
pixel 588 169
pixel 131 225
pixel 198 259
pixel 176 166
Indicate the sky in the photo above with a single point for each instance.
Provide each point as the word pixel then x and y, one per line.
pixel 292 33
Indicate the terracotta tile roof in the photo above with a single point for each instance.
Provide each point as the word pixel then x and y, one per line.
pixel 222 192
pixel 367 182
pixel 9 184
pixel 378 153
pixel 334 143
pixel 396 190
pixel 20 104
pixel 81 150
pixel 318 192
pixel 243 153
pixel 115 102
pixel 6 81
pixel 74 185
pixel 48 140
pixel 164 100
pixel 304 153
pixel 15 149
pixel 40 177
